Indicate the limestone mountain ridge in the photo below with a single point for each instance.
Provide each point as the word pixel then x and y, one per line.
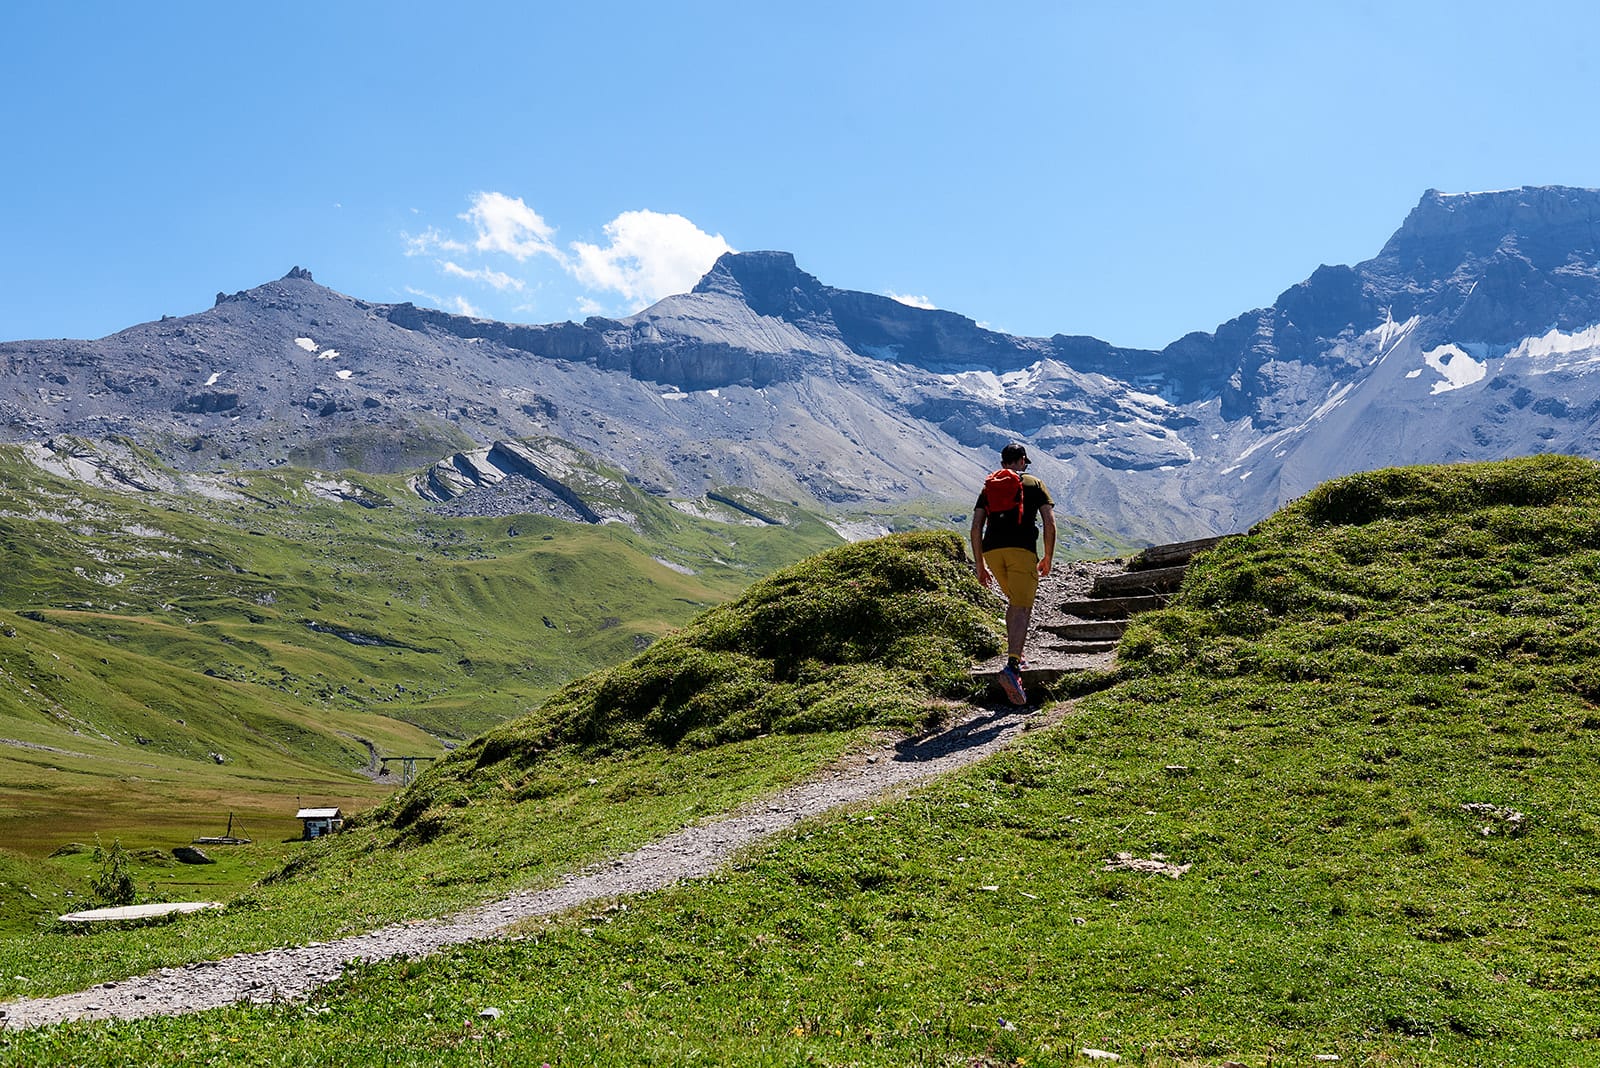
pixel 1468 336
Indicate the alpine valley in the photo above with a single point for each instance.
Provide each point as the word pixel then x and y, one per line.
pixel 281 537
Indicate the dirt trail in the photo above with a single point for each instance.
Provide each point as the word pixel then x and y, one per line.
pixel 294 972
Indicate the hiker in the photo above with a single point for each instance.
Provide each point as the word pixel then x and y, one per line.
pixel 1005 547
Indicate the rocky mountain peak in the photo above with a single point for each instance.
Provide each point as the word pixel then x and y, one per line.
pixel 299 274
pixel 1545 224
pixel 1495 266
pixel 771 283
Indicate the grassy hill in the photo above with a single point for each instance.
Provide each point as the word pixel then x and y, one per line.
pixel 166 658
pixel 1366 735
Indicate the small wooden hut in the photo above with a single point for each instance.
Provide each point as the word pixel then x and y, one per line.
pixel 320 821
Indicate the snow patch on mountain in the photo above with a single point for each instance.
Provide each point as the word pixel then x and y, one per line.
pixel 1387 335
pixel 1336 397
pixel 1455 365
pixel 1263 443
pixel 1149 400
pixel 995 386
pixel 1557 351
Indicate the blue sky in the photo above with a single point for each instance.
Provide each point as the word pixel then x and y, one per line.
pixel 1130 171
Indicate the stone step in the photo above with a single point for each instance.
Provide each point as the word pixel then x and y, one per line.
pixel 1110 629
pixel 1179 552
pixel 1114 607
pixel 1154 580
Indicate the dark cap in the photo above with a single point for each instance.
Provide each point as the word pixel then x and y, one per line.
pixel 1013 452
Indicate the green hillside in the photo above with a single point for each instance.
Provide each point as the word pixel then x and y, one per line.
pixel 1364 735
pixel 166 658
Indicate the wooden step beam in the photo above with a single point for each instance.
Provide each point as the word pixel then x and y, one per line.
pixel 1179 552
pixel 1084 648
pixel 1114 607
pixel 1154 580
pixel 1037 682
pixel 1102 630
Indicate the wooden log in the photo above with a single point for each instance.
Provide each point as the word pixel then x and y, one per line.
pixel 1113 607
pixel 1179 552
pixel 1155 580
pixel 1101 630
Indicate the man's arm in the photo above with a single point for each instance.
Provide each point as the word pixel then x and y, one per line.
pixel 976 537
pixel 1047 515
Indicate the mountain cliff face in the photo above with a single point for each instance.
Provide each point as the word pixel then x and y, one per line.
pixel 1469 335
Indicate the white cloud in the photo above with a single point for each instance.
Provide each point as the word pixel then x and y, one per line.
pixel 429 242
pixel 506 224
pixel 915 302
pixel 498 279
pixel 646 255
pixel 651 255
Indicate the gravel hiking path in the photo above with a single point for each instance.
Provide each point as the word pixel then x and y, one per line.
pixel 872 772
pixel 865 774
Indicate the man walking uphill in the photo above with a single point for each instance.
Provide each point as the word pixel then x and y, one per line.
pixel 1005 547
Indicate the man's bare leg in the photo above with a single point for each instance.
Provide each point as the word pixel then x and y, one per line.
pixel 1017 621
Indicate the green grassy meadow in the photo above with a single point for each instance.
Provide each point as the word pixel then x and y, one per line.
pixel 167 659
pixel 1367 734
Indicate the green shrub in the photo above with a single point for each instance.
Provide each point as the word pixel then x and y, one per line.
pixel 112 883
pixel 869 633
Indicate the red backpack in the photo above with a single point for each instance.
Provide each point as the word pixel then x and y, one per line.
pixel 1002 491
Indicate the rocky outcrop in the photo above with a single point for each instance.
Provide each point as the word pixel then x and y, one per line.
pixel 457 475
pixel 210 402
pixel 548 470
pixel 642 349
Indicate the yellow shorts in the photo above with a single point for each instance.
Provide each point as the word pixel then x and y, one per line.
pixel 1017 572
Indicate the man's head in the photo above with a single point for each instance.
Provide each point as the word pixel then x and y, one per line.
pixel 1014 455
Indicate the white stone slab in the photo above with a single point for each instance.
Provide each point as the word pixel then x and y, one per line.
pixel 139 912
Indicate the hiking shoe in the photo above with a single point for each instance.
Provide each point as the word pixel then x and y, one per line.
pixel 1011 683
